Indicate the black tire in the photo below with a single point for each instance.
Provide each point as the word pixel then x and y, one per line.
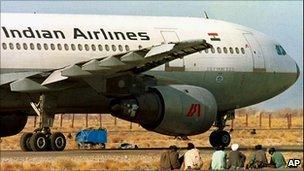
pixel 224 138
pixel 213 139
pixel 58 141
pixel 25 141
pixel 219 138
pixel 39 142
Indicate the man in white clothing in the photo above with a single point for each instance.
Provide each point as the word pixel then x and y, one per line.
pixel 192 158
pixel 219 159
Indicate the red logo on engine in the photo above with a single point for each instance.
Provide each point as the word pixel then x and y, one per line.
pixel 195 109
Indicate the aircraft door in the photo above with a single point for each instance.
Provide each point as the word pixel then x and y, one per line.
pixel 177 64
pixel 256 51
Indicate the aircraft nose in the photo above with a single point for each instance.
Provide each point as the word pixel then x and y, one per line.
pixel 298 71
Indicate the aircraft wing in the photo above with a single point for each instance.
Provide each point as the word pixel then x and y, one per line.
pixel 98 69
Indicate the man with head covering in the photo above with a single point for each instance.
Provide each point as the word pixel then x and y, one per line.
pixel 169 159
pixel 219 159
pixel 192 158
pixel 236 159
pixel 258 158
pixel 277 159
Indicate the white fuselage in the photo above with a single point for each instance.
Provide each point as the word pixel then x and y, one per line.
pixel 236 48
pixel 74 30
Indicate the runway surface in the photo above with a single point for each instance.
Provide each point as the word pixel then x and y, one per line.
pixel 146 151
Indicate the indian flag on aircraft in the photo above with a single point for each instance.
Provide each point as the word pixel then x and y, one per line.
pixel 214 37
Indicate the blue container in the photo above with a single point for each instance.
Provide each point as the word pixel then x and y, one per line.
pixel 88 138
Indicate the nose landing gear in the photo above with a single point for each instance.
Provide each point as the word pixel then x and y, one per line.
pixel 220 137
pixel 42 139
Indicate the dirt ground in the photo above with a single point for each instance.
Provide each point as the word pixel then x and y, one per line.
pixel 276 134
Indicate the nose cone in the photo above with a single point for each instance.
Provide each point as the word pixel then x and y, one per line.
pixel 298 71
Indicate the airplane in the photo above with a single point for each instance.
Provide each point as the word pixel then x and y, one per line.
pixel 176 76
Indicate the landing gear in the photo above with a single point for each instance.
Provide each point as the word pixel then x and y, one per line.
pixel 220 137
pixel 39 142
pixel 25 141
pixel 42 139
pixel 57 141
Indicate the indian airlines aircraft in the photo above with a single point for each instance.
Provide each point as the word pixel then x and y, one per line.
pixel 176 76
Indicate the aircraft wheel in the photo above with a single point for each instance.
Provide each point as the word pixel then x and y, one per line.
pixel 213 139
pixel 39 142
pixel 219 138
pixel 225 138
pixel 58 141
pixel 25 141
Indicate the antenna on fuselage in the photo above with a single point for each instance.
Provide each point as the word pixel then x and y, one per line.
pixel 206 15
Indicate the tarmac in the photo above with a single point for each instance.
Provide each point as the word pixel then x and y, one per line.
pixel 94 152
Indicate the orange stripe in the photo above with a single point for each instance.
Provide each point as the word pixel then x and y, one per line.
pixel 212 34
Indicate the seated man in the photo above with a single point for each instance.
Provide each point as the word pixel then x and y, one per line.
pixel 277 159
pixel 219 158
pixel 192 158
pixel 236 159
pixel 169 159
pixel 258 159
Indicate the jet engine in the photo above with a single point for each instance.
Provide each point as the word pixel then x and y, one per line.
pixel 171 110
pixel 11 123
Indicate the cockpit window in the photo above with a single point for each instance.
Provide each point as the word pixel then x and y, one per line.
pixel 280 50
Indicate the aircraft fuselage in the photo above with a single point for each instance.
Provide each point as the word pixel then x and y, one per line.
pixel 244 67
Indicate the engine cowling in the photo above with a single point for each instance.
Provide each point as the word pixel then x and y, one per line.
pixel 170 110
pixel 11 123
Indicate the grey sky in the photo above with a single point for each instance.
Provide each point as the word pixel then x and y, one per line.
pixel 282 20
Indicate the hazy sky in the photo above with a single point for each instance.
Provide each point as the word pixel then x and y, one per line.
pixel 278 19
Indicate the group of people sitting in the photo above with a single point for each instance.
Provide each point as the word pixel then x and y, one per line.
pixel 234 159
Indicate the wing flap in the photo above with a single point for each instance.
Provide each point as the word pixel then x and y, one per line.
pixel 56 76
pixel 158 50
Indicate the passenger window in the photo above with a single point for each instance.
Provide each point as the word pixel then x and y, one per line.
pixel 38 46
pixel 120 48
pixel 283 51
pixel 237 50
pixel 93 47
pixel 45 46
pixel 79 47
pixel 212 50
pixel 127 48
pixel 280 50
pixel 4 46
pixel 114 48
pixel 219 50
pixel 100 47
pixel 24 46
pixel 66 46
pixel 18 46
pixel 59 47
pixel 87 48
pixel 206 50
pixel 225 50
pixel 52 46
pixel 231 50
pixel 73 47
pixel 32 46
pixel 11 45
pixel 243 50
pixel 107 47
